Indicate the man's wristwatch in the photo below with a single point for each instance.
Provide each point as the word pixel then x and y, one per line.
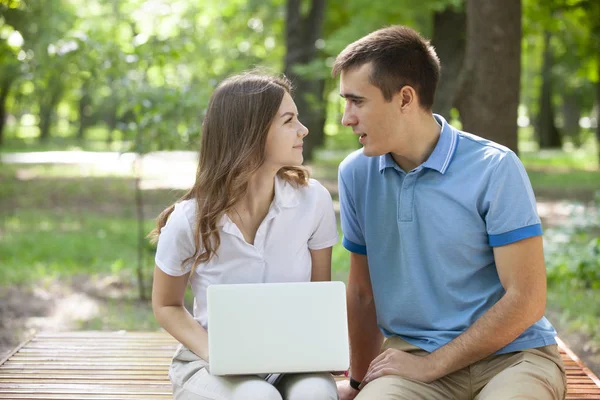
pixel 354 384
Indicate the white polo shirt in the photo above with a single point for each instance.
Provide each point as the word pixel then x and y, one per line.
pixel 299 220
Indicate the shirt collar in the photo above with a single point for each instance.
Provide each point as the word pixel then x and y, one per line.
pixel 441 156
pixel 285 193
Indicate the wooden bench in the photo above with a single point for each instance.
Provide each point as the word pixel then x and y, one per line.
pixel 134 365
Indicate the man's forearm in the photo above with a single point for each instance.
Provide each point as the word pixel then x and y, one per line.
pixel 365 337
pixel 499 326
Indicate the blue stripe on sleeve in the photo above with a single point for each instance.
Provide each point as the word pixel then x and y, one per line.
pixel 514 236
pixel 353 247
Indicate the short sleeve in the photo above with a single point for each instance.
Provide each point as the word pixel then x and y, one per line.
pixel 176 243
pixel 511 208
pixel 325 232
pixel 353 239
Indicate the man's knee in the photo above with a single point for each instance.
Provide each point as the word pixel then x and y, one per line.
pixel 529 376
pixel 391 387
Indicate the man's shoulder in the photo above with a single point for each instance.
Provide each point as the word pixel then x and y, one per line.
pixel 478 151
pixel 356 161
pixel 479 142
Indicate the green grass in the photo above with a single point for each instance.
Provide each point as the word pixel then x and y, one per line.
pixel 579 309
pixel 340 260
pixel 574 178
pixel 45 243
pixel 123 314
pixel 582 159
pixel 57 222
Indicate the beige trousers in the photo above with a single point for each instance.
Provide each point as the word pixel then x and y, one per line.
pixel 192 381
pixel 533 374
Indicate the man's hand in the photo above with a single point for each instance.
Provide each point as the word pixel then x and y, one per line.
pixel 401 363
pixel 345 392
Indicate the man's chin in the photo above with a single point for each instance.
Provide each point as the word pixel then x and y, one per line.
pixel 370 152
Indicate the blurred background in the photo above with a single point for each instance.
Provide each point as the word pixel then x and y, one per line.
pixel 101 103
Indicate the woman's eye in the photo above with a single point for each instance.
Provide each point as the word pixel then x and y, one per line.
pixel 289 120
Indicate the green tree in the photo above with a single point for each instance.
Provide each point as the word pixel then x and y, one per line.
pixel 488 97
pixel 303 33
pixel 449 40
pixel 11 55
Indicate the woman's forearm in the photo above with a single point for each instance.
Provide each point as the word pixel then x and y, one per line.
pixel 182 326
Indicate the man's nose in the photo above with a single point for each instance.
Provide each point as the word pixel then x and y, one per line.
pixel 348 119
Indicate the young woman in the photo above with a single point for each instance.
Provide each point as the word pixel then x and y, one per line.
pixel 253 215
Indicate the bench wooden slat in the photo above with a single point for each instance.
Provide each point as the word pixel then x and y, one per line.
pixel 114 380
pixel 156 388
pixel 134 365
pixel 94 363
pixel 9 366
pixel 33 396
pixel 81 372
pixel 94 351
pixel 107 360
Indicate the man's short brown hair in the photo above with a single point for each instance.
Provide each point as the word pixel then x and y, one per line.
pixel 400 56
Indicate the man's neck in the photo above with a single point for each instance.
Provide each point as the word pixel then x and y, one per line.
pixel 425 133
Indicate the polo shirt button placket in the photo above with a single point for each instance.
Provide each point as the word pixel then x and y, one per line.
pixel 405 204
pixel 259 242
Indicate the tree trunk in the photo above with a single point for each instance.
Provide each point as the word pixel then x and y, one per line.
pixel 449 40
pixel 84 103
pixel 547 133
pixel 139 211
pixel 46 112
pixel 45 122
pixel 488 97
pixel 111 125
pixel 598 111
pixel 301 36
pixel 4 90
pixel 572 114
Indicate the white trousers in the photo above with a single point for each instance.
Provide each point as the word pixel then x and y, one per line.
pixel 192 381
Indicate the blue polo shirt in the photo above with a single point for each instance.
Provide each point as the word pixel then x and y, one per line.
pixel 429 235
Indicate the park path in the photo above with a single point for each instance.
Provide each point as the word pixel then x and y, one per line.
pixel 177 170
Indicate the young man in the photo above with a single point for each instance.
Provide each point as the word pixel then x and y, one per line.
pixel 446 248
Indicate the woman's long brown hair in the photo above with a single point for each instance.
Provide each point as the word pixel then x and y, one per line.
pixel 232 148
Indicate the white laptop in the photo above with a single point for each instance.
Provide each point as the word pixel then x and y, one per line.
pixel 277 328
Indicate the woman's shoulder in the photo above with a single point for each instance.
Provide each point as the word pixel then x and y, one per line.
pixel 184 210
pixel 315 189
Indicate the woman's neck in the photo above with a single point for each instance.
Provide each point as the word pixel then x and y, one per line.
pixel 259 194
pixel 251 210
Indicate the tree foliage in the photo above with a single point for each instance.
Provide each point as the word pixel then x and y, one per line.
pixel 148 67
